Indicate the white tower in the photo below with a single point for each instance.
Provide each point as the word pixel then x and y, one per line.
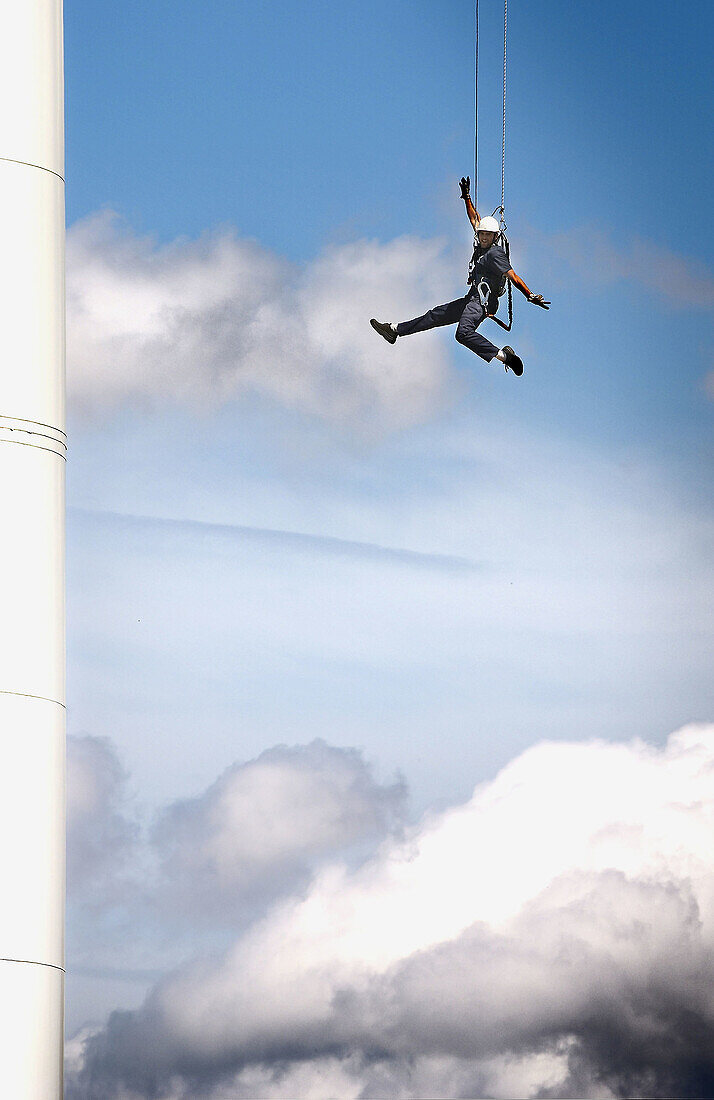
pixel 32 469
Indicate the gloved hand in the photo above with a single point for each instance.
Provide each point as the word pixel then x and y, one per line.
pixel 539 300
pixel 465 185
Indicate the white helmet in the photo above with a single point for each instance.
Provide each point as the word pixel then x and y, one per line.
pixel 488 225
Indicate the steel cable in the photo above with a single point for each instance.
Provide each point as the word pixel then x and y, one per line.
pixel 476 105
pixel 503 133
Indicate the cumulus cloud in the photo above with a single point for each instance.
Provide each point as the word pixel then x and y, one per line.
pixel 205 322
pixel 552 937
pixel 143 898
pixel 202 323
pixel 100 835
pixel 264 825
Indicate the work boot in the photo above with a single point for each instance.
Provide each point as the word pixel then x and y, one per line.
pixel 384 329
pixel 512 361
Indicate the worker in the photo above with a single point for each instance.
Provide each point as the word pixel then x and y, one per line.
pixel 488 271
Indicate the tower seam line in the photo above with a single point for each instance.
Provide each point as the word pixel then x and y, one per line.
pixel 28 164
pixel 27 695
pixel 35 962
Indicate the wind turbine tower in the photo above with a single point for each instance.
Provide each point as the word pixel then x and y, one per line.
pixel 32 477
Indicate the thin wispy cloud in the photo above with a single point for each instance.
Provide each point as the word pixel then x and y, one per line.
pixel 679 280
pixel 290 540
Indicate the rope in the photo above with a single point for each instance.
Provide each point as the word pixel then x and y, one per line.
pixel 503 132
pixel 503 167
pixel 476 105
pixel 502 209
pixel 503 125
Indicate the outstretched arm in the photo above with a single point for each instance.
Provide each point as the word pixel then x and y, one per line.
pixel 465 185
pixel 536 299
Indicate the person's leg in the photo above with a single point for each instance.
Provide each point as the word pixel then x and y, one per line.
pixel 448 314
pixel 467 335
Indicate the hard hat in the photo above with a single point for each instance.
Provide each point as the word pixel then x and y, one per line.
pixel 488 225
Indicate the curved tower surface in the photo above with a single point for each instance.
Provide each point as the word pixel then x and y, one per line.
pixel 32 476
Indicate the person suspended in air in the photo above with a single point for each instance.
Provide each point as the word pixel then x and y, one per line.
pixel 489 269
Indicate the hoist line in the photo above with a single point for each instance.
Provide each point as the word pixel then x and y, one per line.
pixel 502 209
pixel 503 133
pixel 503 124
pixel 476 104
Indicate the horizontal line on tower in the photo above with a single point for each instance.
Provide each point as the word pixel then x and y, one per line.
pixel 59 449
pixel 26 695
pixel 27 164
pixel 33 433
pixel 34 962
pixel 18 421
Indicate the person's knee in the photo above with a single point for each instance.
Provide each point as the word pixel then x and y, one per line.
pixel 462 333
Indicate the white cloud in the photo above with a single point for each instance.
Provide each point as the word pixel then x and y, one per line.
pixel 202 323
pixel 263 825
pixel 141 899
pixel 100 837
pixel 554 936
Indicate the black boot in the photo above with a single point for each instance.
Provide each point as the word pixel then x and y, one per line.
pixel 512 361
pixel 384 329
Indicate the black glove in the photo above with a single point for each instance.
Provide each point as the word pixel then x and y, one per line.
pixel 539 300
pixel 465 185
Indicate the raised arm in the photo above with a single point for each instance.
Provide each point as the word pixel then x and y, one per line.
pixel 465 185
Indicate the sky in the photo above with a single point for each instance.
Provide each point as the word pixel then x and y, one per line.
pixel 347 622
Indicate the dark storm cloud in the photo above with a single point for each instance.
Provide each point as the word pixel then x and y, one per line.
pixel 617 976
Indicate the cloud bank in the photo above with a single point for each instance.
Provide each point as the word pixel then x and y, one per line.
pixel 552 937
pixel 203 323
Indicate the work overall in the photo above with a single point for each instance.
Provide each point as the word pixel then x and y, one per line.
pixel 487 270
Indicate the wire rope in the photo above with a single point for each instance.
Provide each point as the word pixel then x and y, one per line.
pixel 502 209
pixel 503 116
pixel 476 104
pixel 503 130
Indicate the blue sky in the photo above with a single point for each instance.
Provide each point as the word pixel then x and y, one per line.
pixel 307 124
pixel 297 123
pixel 280 529
pixel 307 127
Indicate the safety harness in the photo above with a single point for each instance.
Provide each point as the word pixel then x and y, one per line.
pixel 483 288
